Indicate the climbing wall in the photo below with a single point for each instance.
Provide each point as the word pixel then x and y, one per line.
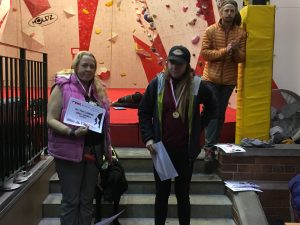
pixel 130 38
pixel 255 76
pixel 184 22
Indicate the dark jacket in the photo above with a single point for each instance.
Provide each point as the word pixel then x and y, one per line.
pixel 150 111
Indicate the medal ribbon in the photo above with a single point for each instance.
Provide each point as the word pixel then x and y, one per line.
pixel 176 101
pixel 86 92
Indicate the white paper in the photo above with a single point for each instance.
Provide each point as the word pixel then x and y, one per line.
pixel 242 186
pixel 162 162
pixel 81 113
pixel 109 220
pixel 230 148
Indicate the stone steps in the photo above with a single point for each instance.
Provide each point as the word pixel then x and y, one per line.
pixel 150 221
pixel 139 158
pixel 144 183
pixel 141 206
pixel 209 204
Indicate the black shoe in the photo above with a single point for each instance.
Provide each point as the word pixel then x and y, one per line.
pixel 210 154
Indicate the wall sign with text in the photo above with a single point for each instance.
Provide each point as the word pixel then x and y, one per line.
pixel 43 20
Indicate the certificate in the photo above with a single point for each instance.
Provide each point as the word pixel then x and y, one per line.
pixel 81 113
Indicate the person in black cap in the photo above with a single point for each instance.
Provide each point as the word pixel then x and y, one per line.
pixel 169 112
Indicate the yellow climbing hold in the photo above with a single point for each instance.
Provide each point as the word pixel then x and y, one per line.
pixel 85 11
pixel 109 3
pixel 98 31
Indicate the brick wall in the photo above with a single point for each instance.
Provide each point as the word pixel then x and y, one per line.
pixel 271 168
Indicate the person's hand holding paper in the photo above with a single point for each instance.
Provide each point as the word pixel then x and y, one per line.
pixel 150 146
pixel 162 162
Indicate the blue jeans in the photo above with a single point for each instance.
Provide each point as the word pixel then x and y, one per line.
pixel 214 127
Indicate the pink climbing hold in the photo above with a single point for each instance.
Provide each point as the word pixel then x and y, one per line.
pixel 196 40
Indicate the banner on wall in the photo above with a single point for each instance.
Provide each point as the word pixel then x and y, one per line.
pixel 4 10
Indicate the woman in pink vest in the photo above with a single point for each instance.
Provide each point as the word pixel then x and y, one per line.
pixel 76 148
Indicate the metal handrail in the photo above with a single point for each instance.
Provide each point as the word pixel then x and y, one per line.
pixel 23 108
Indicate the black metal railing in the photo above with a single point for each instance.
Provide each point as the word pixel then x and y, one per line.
pixel 23 108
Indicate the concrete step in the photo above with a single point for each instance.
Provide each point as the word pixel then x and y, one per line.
pixel 141 206
pixel 139 159
pixel 140 183
pixel 150 221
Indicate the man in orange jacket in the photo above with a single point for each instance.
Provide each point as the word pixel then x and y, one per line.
pixel 223 47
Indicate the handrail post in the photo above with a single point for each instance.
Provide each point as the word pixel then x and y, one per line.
pixel 45 102
pixel 23 100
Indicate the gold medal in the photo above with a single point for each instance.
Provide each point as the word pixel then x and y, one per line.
pixel 175 115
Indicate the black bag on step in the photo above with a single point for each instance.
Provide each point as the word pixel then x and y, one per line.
pixel 113 181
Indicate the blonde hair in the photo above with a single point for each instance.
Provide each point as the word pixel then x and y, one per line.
pixel 65 72
pixel 100 89
pixel 185 83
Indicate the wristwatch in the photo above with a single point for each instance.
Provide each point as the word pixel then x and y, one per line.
pixel 72 134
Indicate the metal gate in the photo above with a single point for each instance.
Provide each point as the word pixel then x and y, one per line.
pixel 23 108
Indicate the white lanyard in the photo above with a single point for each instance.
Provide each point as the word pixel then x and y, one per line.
pixel 176 101
pixel 86 92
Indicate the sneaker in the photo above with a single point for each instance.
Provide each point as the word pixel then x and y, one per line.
pixel 210 154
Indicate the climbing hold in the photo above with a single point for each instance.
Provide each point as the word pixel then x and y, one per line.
pixel 193 22
pixel 85 11
pixel 199 12
pixel 153 49
pixel 98 31
pixel 109 3
pixel 119 4
pixel 113 37
pixel 196 39
pixel 138 19
pixel 144 9
pixel 148 18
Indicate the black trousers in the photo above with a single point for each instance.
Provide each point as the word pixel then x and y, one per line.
pixel 184 169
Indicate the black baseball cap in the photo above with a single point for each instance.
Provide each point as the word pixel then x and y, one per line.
pixel 179 54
